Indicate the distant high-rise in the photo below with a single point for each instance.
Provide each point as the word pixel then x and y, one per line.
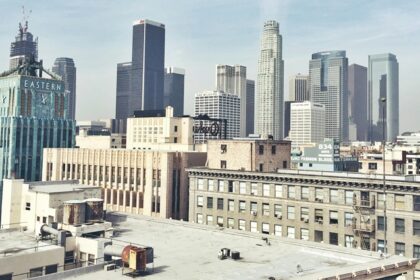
pixel 328 86
pixel 287 107
pixel 298 88
pixel 64 67
pixel 232 79
pixel 250 106
pixel 383 82
pixel 357 102
pixel 174 89
pixel 123 107
pixel 307 123
pixel 270 82
pixel 24 47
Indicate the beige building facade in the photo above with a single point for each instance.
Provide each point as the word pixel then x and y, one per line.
pixel 152 183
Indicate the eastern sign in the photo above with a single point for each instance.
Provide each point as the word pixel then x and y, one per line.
pixel 42 84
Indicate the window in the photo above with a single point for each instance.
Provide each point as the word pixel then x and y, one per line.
pixel 200 184
pixel 220 204
pixel 8 276
pixel 266 209
pixel 261 149
pixel 231 223
pixel 319 195
pixel 230 187
pixel 399 248
pixel 319 236
pixel 200 201
pixel 242 188
pixel 333 196
pixel 399 202
pixel 265 228
pixel 175 128
pixel 219 221
pixel 304 193
pixel 223 148
pixel 304 214
pixel 210 186
pixel 199 218
pixel 231 205
pixel 291 192
pixel 279 190
pixel 253 226
pixel 381 223
pixel 304 234
pixel 290 212
pixel 266 190
pixel 278 230
pixel 284 164
pixel 210 202
pixel 416 251
pixel 49 269
pixel 333 217
pixel 348 219
pixel 291 232
pixel 209 219
pixel 416 202
pixel 223 164
pixel 273 150
pixel 319 216
pixel 333 238
pixel 261 167
pixel 278 211
pixel 254 189
pixel 34 272
pixel 241 225
pixel 399 225
pixel 44 220
pixel 416 228
pixel 381 245
pixel 381 200
pixel 254 209
pixel 175 139
pixel 28 206
pixel 349 241
pixel 242 206
pixel 221 187
pixel 373 166
pixel 349 197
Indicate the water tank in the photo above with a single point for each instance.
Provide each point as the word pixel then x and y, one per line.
pixel 74 212
pixel 94 209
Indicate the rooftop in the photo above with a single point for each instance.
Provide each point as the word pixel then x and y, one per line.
pixel 58 186
pixel 189 251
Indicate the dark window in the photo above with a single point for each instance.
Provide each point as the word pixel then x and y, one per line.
pixel 333 238
pixel 399 248
pixel 273 150
pixel 319 236
pixel 261 149
pixel 300 164
pixel 381 223
pixel 34 272
pixel 176 128
pixel 416 251
pixel 220 203
pixel 223 148
pixel 416 202
pixel 261 167
pixel 360 165
pixel 223 164
pixel 284 164
pixel 230 186
pixel 416 228
pixel 6 276
pixel 399 225
pixel 28 206
pixel 38 218
pixel 373 166
pixel 310 165
pixel 44 220
pixel 175 139
pixel 209 202
pixel 51 269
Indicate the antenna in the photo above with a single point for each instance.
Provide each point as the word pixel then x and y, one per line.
pixel 25 17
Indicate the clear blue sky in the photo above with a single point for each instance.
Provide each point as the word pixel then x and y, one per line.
pixel 201 34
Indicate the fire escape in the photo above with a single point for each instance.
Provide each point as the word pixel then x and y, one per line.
pixel 363 223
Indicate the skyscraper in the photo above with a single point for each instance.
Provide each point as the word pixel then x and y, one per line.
pixel 173 94
pixel 383 82
pixel 232 79
pixel 270 81
pixel 357 102
pixel 123 107
pixel 307 123
pixel 250 106
pixel 328 86
pixel 298 88
pixel 24 46
pixel 64 67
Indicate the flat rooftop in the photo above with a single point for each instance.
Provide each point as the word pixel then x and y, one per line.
pixel 58 186
pixel 185 250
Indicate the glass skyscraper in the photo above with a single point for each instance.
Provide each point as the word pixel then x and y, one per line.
pixel 174 89
pixel 328 86
pixel 123 107
pixel 383 82
pixel 270 83
pixel 24 46
pixel 64 67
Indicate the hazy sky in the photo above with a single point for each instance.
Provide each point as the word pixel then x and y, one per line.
pixel 201 34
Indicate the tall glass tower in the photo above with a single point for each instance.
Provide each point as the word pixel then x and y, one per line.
pixel 174 89
pixel 270 83
pixel 328 86
pixel 383 82
pixel 64 67
pixel 24 47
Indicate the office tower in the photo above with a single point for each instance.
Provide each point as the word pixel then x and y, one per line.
pixel 250 106
pixel 24 47
pixel 64 67
pixel 173 94
pixel 328 86
pixel 307 123
pixel 383 82
pixel 287 105
pixel 357 103
pixel 298 88
pixel 232 79
pixel 124 108
pixel 219 105
pixel 270 95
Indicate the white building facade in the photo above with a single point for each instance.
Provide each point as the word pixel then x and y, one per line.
pixel 307 123
pixel 298 87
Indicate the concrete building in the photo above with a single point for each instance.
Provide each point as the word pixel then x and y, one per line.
pixel 357 103
pixel 250 106
pixel 232 79
pixel 298 88
pixel 218 105
pixel 409 139
pixel 307 123
pixel 25 47
pixel 270 83
pixel 328 86
pixel 383 82
pixel 336 208
pixel 151 183
pixel 173 89
pixel 105 141
pixel 249 154
pixel 64 67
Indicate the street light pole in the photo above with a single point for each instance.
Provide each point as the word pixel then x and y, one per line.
pixel 383 102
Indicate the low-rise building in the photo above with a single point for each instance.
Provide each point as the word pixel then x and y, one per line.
pixel 104 141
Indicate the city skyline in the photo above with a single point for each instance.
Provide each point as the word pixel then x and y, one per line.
pixel 187 41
